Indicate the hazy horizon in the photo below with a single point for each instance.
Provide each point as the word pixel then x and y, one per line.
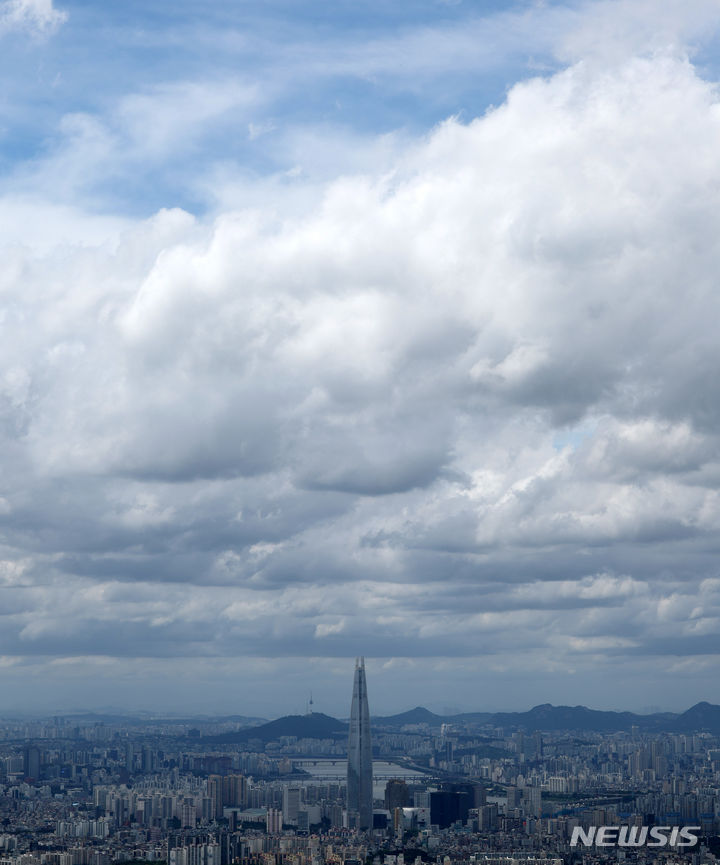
pixel 334 706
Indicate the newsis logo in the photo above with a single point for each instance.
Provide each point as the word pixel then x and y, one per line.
pixel 635 836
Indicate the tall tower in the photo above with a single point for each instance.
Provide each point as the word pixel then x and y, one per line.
pixel 359 769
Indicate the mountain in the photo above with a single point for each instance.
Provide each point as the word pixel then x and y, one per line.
pixel 313 726
pixel 547 717
pixel 703 716
pixel 544 717
pixel 418 715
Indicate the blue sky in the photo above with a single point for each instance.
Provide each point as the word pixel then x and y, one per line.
pixel 338 329
pixel 351 68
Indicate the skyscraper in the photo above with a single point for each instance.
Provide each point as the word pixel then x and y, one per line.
pixel 396 794
pixel 31 763
pixel 359 770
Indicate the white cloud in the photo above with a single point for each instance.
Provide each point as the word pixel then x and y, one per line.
pixel 38 17
pixel 329 425
pixel 611 30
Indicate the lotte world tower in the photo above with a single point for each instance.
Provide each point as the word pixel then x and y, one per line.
pixel 359 768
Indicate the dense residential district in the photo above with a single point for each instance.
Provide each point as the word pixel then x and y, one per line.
pixel 477 788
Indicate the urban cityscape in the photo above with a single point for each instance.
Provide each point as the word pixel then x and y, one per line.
pixel 402 790
pixel 359 432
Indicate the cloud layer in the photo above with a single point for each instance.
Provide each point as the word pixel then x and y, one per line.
pixel 463 405
pixel 38 17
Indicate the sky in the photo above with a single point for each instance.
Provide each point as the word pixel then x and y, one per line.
pixel 359 328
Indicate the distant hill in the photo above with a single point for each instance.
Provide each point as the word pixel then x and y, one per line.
pixel 418 715
pixel 313 726
pixel 702 717
pixel 547 717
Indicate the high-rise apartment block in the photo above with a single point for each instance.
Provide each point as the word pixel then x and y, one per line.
pixel 396 794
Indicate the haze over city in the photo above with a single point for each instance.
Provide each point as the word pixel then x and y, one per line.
pixel 335 329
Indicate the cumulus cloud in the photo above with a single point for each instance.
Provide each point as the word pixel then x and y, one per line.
pixel 462 406
pixel 38 17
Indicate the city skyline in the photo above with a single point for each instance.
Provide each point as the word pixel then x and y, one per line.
pixel 89 793
pixel 359 329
